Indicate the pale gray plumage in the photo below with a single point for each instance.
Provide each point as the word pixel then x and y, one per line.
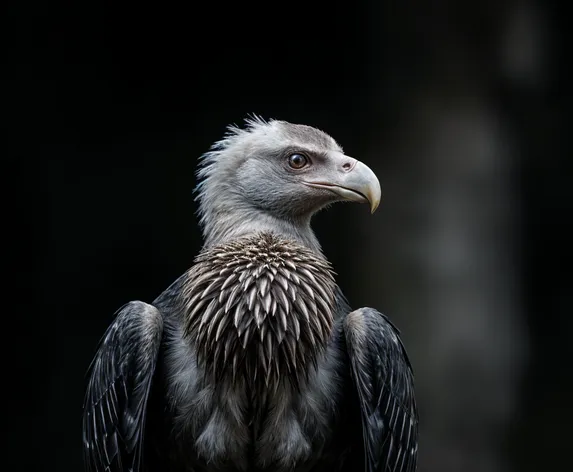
pixel 252 359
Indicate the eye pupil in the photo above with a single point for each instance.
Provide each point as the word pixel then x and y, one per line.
pixel 297 161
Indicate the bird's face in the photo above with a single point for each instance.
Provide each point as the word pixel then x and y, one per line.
pixel 293 171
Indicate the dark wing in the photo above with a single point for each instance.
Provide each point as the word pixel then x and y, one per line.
pixel 119 385
pixel 383 378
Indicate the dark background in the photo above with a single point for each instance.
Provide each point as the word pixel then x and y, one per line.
pixel 111 105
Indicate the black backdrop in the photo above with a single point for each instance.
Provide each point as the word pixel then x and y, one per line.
pixel 112 104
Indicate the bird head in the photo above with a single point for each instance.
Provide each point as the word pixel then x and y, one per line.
pixel 275 175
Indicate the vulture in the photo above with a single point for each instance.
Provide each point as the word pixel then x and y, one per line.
pixel 253 359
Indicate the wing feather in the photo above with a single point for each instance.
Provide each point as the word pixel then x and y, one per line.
pixel 120 378
pixel 384 383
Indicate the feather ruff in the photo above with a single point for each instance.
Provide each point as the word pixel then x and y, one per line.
pixel 261 307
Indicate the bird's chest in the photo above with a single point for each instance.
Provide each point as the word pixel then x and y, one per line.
pixel 225 428
pixel 257 320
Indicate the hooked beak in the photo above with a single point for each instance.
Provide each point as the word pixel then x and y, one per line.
pixel 353 181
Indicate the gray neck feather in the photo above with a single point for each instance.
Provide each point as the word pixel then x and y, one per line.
pixel 224 220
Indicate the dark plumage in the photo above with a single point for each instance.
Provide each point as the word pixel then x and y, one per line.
pixel 253 360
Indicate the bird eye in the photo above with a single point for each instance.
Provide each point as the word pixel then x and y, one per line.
pixel 297 161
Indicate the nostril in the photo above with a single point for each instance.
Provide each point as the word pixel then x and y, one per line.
pixel 347 165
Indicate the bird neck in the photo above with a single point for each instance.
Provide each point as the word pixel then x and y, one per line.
pixel 236 223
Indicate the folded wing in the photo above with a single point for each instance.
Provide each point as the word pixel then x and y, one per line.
pixel 119 384
pixel 384 383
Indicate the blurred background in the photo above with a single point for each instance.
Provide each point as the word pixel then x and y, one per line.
pixel 459 107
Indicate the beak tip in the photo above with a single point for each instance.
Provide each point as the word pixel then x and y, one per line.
pixel 374 207
pixel 374 195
